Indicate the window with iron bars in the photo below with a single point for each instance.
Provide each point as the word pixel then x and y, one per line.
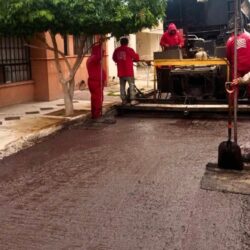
pixel 14 60
pixel 88 43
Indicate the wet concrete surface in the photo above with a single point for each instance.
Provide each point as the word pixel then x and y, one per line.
pixel 132 185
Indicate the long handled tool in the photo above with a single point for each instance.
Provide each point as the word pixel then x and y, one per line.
pixel 229 153
pixel 235 96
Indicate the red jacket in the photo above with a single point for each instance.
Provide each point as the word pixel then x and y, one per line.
pixel 168 39
pixel 124 57
pixel 243 52
pixel 94 65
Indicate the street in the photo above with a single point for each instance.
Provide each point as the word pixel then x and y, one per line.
pixel 129 186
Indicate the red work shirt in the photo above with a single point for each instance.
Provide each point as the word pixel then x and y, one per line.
pixel 94 65
pixel 168 40
pixel 243 53
pixel 124 56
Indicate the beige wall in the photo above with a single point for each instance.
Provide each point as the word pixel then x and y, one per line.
pixel 147 44
pixel 39 72
pixel 14 93
pixel 148 41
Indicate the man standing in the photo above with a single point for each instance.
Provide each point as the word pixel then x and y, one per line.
pixel 96 81
pixel 243 55
pixel 124 57
pixel 171 37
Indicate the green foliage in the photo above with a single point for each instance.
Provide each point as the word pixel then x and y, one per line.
pixel 119 17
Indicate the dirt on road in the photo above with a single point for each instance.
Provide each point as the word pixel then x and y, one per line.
pixel 129 186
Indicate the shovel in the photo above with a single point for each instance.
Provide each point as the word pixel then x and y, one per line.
pixel 229 153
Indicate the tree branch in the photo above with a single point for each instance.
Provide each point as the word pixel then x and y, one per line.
pixel 58 65
pixel 80 56
pixel 48 47
pixel 79 60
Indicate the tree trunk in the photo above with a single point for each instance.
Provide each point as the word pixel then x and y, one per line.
pixel 68 98
pixel 68 83
pixel 68 89
pixel 72 87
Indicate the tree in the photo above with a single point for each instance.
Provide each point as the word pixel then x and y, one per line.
pixel 28 18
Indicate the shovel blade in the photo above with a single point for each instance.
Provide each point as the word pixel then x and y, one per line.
pixel 229 156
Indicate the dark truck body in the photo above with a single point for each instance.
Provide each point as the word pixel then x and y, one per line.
pixel 207 20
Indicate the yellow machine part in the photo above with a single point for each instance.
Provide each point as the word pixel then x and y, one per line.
pixel 193 62
pixel 190 62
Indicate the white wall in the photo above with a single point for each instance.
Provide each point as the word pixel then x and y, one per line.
pixel 112 66
pixel 147 44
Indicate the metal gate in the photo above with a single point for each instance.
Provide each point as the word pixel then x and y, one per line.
pixel 14 60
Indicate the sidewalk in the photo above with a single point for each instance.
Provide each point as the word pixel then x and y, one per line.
pixel 22 125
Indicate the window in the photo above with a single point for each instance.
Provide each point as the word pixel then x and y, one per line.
pixel 88 43
pixel 14 60
pixel 65 45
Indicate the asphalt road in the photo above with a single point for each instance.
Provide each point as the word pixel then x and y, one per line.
pixel 129 186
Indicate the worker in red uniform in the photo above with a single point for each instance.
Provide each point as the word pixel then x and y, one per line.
pixel 96 81
pixel 243 55
pixel 171 37
pixel 124 57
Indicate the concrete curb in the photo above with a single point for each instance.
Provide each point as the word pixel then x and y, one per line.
pixel 28 140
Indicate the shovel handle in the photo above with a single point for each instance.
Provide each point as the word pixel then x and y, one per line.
pixel 230 90
pixel 229 87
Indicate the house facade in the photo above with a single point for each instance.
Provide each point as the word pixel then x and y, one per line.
pixel 29 73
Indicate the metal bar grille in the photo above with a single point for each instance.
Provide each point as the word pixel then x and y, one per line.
pixel 77 44
pixel 14 60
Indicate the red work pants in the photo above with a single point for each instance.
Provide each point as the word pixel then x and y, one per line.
pixel 96 91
